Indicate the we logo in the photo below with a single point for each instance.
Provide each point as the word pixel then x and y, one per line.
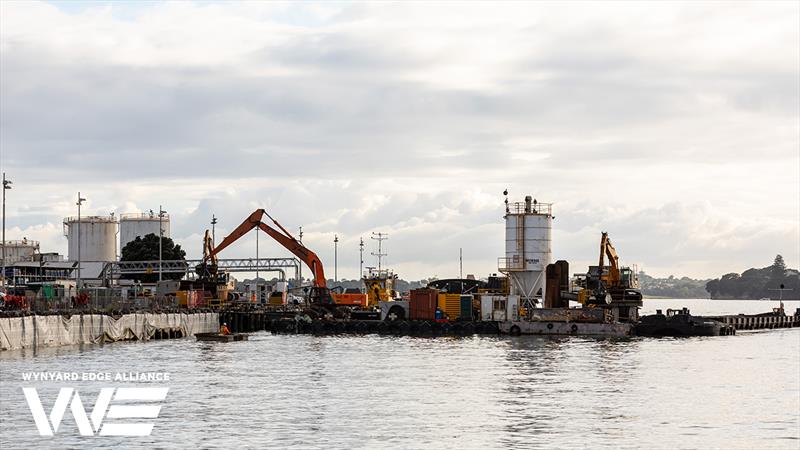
pixel 94 424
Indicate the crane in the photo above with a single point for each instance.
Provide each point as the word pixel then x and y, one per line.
pixel 319 295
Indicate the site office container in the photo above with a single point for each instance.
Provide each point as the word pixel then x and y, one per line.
pixel 422 304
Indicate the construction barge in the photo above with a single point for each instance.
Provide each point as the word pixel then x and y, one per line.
pixel 531 296
pixel 678 323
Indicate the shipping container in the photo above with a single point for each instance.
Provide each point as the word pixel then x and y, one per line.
pixel 450 304
pixel 423 303
pixel 466 307
pixel 191 299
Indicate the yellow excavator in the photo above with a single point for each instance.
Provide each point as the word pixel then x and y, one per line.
pixel 604 284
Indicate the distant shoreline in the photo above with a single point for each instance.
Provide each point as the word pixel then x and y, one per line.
pixel 658 297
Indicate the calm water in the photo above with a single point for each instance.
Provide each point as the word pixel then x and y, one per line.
pixel 344 392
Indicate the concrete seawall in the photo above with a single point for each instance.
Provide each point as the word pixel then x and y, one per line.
pixel 54 330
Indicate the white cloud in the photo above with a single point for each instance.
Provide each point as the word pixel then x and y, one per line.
pixel 676 127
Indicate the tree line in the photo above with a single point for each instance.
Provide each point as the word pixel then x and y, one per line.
pixel 757 283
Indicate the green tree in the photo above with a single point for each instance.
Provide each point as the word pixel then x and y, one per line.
pixel 777 271
pixel 146 249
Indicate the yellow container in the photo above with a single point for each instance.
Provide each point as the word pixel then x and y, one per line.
pixel 276 298
pixel 182 297
pixel 450 304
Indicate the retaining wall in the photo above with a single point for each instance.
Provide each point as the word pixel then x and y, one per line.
pixel 55 330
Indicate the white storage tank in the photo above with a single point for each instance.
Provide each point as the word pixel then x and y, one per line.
pixel 529 228
pixel 20 251
pixel 133 225
pixel 98 238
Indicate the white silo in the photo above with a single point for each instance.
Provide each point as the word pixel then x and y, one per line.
pixel 133 225
pixel 528 246
pixel 98 238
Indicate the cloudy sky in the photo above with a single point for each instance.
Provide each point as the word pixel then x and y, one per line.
pixel 674 127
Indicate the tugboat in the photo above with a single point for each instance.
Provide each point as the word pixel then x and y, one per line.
pixel 679 323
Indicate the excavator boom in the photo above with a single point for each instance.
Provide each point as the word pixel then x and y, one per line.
pixel 283 237
pixel 606 249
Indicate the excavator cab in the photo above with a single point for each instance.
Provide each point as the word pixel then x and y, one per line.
pixel 320 296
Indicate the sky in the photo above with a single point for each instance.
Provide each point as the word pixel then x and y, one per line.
pixel 675 127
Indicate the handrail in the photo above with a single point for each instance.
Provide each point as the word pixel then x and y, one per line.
pixel 20 242
pixel 505 264
pixel 535 208
pixel 143 215
pixel 85 219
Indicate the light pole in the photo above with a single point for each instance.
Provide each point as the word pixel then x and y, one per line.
pixel 213 229
pixel 301 266
pixel 361 264
pixel 336 258
pixel 78 280
pixel 6 185
pixel 161 213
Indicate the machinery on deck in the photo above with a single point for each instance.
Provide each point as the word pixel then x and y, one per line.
pixel 319 294
pixel 379 285
pixel 610 284
pixel 616 279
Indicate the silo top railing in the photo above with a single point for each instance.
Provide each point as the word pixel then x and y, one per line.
pixel 535 208
pixel 21 243
pixel 140 216
pixel 90 219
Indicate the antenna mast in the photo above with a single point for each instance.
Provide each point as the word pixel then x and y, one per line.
pixel 380 237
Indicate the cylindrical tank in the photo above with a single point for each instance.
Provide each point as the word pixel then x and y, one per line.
pixel 140 224
pixel 98 238
pixel 529 228
pixel 18 251
pixel 528 240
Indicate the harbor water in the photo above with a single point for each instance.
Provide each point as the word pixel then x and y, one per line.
pixel 288 391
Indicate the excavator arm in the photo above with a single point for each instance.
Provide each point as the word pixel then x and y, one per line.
pixel 208 247
pixel 283 237
pixel 606 249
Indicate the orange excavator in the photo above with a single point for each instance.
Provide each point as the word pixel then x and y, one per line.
pixel 320 295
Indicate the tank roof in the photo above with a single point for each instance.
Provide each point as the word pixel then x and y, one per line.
pixel 142 216
pixel 91 219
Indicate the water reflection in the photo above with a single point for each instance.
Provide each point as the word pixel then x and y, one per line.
pixel 478 392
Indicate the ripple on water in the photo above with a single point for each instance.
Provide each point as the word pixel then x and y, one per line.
pixel 481 392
